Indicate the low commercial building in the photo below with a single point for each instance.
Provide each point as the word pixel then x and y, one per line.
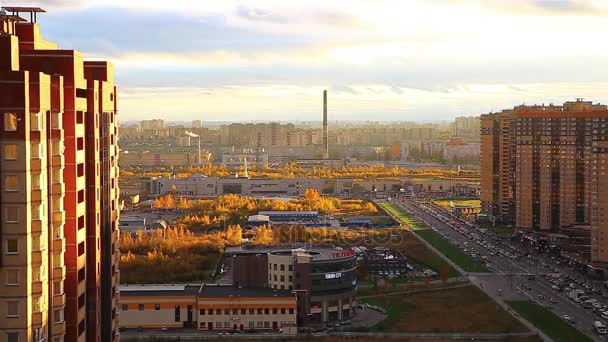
pixel 291 216
pixel 207 307
pixel 201 185
pixel 323 277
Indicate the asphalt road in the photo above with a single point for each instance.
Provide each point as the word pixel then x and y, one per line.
pixel 511 267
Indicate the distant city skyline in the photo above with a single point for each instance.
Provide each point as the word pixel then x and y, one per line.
pixel 386 60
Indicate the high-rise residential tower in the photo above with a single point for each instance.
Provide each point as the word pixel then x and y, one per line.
pixel 544 168
pixel 58 189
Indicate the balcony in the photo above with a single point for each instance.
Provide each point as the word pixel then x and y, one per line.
pixel 36 226
pixel 36 287
pixel 58 188
pixel 59 301
pixel 58 218
pixel 57 160
pixel 36 195
pixel 58 329
pixel 59 272
pixel 36 318
pixel 58 245
pixel 36 257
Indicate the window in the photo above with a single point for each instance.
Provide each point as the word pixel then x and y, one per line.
pixel 140 307
pixel 218 324
pixel 80 196
pixel 251 325
pixel 81 248
pixel 12 309
pixel 267 311
pixel 80 170
pixel 57 148
pixel 10 122
pixel 82 301
pixel 10 152
pixel 282 267
pixel 210 312
pixel 35 123
pixel 218 311
pixel 80 144
pixel 202 312
pixel 226 311
pixel 81 223
pixel 274 311
pixel 157 307
pixel 58 316
pixel 12 215
pixel 37 212
pixel 291 267
pixel 251 311
pixel 57 176
pixel 226 324
pixel 177 313
pixel 81 274
pixel 243 311
pixel 36 242
pixel 57 120
pixel 11 183
pixel 266 324
pixel 12 337
pixel 12 246
pixel 81 327
pixel 36 181
pixel 12 277
pixel 291 311
pixel 282 311
pixel 36 150
pixel 260 311
pixel 125 307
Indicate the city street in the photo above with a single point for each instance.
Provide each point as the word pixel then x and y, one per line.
pixel 517 273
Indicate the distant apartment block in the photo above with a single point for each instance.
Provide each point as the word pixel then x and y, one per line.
pixel 58 189
pixel 151 125
pixel 544 168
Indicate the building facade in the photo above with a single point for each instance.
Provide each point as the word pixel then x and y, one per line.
pixel 543 168
pixel 58 189
pixel 207 307
pixel 322 277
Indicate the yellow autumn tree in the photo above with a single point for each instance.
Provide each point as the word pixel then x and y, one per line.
pixel 234 235
pixel 264 235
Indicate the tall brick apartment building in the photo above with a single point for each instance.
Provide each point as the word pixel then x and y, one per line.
pixel 58 189
pixel 544 168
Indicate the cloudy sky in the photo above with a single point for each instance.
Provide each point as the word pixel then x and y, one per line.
pixel 420 60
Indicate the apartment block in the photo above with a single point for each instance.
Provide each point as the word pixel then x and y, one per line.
pixel 58 189
pixel 543 168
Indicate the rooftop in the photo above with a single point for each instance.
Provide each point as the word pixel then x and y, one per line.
pixel 223 291
pixel 203 290
pixel 159 290
pixel 318 252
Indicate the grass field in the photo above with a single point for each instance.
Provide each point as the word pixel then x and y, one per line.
pixel 445 203
pixel 545 320
pixel 465 310
pixel 454 253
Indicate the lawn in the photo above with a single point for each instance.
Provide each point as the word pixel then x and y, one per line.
pixel 454 253
pixel 464 310
pixel 445 203
pixel 466 262
pixel 549 323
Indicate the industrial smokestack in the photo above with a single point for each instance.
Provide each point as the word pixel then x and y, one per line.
pixel 325 131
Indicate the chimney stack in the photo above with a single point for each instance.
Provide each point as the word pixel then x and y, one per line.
pixel 325 131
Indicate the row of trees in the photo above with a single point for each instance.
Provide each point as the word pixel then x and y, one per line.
pixel 292 170
pixel 234 209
